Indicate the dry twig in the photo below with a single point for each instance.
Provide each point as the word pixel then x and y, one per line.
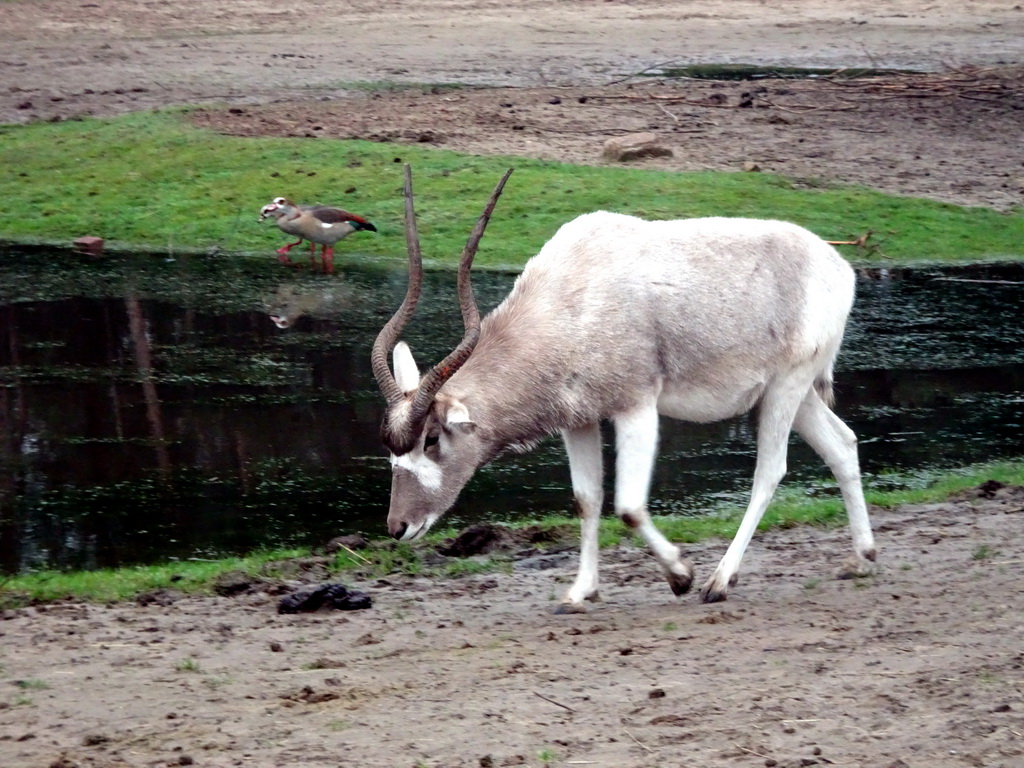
pixel 860 242
pixel 556 703
pixel 634 738
pixel 971 280
pixel 752 752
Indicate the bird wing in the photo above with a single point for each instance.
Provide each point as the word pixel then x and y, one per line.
pixel 330 215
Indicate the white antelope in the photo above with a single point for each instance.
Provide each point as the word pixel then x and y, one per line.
pixel 623 319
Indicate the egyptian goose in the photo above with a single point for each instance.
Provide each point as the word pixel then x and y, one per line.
pixel 320 224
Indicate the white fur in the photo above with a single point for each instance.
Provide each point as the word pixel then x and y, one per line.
pixel 407 375
pixel 585 468
pixel 427 472
pixel 625 320
pixel 457 413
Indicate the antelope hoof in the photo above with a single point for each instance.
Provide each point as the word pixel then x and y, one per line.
pixel 856 568
pixel 715 591
pixel 713 594
pixel 680 583
pixel 568 608
pixel 569 605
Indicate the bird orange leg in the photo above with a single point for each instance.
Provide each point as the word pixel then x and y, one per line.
pixel 283 251
pixel 327 259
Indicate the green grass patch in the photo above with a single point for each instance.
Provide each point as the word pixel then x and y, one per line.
pixel 32 685
pixel 153 181
pixel 115 584
pixel 929 486
pixel 188 665
pixel 793 506
pixel 984 552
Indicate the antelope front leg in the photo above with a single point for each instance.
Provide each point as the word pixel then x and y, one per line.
pixel 636 446
pixel 583 446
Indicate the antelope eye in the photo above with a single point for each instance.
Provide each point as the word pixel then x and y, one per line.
pixel 431 440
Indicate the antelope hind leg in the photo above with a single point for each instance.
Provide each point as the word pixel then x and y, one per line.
pixel 778 410
pixel 837 445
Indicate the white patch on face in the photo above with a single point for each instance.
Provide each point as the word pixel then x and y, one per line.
pixel 426 471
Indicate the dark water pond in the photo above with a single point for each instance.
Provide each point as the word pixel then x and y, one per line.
pixel 150 408
pixel 758 72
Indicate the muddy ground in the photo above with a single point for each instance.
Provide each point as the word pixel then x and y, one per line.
pixel 921 666
pixel 568 80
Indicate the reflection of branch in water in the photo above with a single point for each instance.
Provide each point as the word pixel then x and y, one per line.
pixel 13 425
pixel 242 454
pixel 112 349
pixel 973 280
pixel 144 363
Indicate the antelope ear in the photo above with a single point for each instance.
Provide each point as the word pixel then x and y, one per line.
pixel 407 375
pixel 457 416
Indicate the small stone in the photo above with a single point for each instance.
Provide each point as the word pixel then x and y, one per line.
pixel 89 245
pixel 751 167
pixel 634 146
pixel 233 583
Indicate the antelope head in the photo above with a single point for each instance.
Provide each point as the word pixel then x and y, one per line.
pixel 434 443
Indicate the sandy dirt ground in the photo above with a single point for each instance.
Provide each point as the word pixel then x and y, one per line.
pixel 920 666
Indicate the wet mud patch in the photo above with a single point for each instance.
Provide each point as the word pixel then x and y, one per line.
pixel 487 538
